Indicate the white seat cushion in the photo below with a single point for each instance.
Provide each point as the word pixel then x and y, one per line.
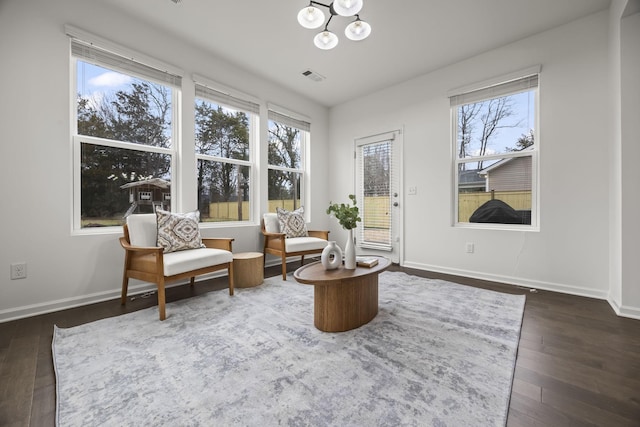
pixel 298 244
pixel 193 259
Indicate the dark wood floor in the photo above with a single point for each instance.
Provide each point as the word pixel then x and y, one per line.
pixel 578 363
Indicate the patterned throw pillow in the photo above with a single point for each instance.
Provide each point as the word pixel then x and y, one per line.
pixel 292 223
pixel 178 231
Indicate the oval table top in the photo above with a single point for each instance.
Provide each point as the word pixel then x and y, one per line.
pixel 315 274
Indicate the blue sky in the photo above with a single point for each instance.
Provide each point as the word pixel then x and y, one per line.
pixel 524 109
pixel 95 82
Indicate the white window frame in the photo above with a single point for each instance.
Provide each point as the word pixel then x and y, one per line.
pixel 510 84
pixel 223 96
pixel 126 61
pixel 287 117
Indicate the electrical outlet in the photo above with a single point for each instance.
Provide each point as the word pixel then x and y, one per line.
pixel 413 191
pixel 18 270
pixel 469 247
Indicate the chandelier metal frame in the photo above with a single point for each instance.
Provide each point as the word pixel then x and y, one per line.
pixel 312 17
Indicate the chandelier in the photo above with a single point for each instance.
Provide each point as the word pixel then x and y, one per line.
pixel 313 17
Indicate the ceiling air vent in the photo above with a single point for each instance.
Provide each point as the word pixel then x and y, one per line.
pixel 313 75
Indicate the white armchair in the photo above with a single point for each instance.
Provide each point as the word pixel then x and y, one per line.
pixel 145 260
pixel 277 243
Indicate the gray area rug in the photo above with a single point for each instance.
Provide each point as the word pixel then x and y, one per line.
pixel 437 354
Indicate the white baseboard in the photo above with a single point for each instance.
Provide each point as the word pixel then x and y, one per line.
pixel 624 311
pixel 67 303
pixel 517 281
pixel 113 294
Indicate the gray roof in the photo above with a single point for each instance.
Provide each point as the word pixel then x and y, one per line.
pixel 469 177
pixel 156 182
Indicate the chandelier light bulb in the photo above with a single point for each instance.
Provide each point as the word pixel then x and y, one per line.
pixel 310 17
pixel 357 30
pixel 325 40
pixel 313 17
pixel 347 7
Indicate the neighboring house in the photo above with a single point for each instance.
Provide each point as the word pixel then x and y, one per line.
pixel 147 195
pixel 512 174
pixel 470 181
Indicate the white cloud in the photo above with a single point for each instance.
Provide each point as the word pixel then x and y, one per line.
pixel 110 79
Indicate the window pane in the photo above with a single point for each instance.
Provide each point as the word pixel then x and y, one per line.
pixel 499 193
pixel 284 190
pixel 284 146
pixel 375 169
pixel 121 107
pixel 223 191
pixel 221 131
pixel 116 182
pixel 496 126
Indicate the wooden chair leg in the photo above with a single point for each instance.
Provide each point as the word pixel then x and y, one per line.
pixel 192 281
pixel 264 261
pixel 161 300
pixel 125 288
pixel 231 279
pixel 301 260
pixel 284 267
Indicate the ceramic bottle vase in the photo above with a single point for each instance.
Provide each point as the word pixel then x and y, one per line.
pixel 331 257
pixel 350 253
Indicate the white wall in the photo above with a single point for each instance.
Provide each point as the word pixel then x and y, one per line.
pixel 36 173
pixel 630 153
pixel 570 252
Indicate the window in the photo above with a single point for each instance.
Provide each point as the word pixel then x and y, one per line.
pixel 225 129
pixel 124 140
pixel 286 169
pixel 496 154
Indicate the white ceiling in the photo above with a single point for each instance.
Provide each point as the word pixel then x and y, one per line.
pixel 409 37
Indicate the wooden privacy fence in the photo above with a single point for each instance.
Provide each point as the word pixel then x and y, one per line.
pixel 376 212
pixel 377 208
pixel 228 211
pixel 469 202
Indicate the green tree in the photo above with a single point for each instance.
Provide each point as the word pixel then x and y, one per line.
pixel 284 151
pixel 222 134
pixel 525 141
pixel 140 114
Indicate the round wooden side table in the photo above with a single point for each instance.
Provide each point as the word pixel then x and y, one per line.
pixel 248 269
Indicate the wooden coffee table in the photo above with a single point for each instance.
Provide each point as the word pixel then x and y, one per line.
pixel 343 299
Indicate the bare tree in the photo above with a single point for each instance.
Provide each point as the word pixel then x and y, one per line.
pixel 493 117
pixel 466 118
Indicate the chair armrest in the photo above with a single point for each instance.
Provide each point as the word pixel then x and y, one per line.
pixel 322 234
pixel 218 243
pixel 274 241
pixel 274 235
pixel 140 250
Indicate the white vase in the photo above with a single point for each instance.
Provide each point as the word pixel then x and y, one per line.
pixel 331 257
pixel 350 253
